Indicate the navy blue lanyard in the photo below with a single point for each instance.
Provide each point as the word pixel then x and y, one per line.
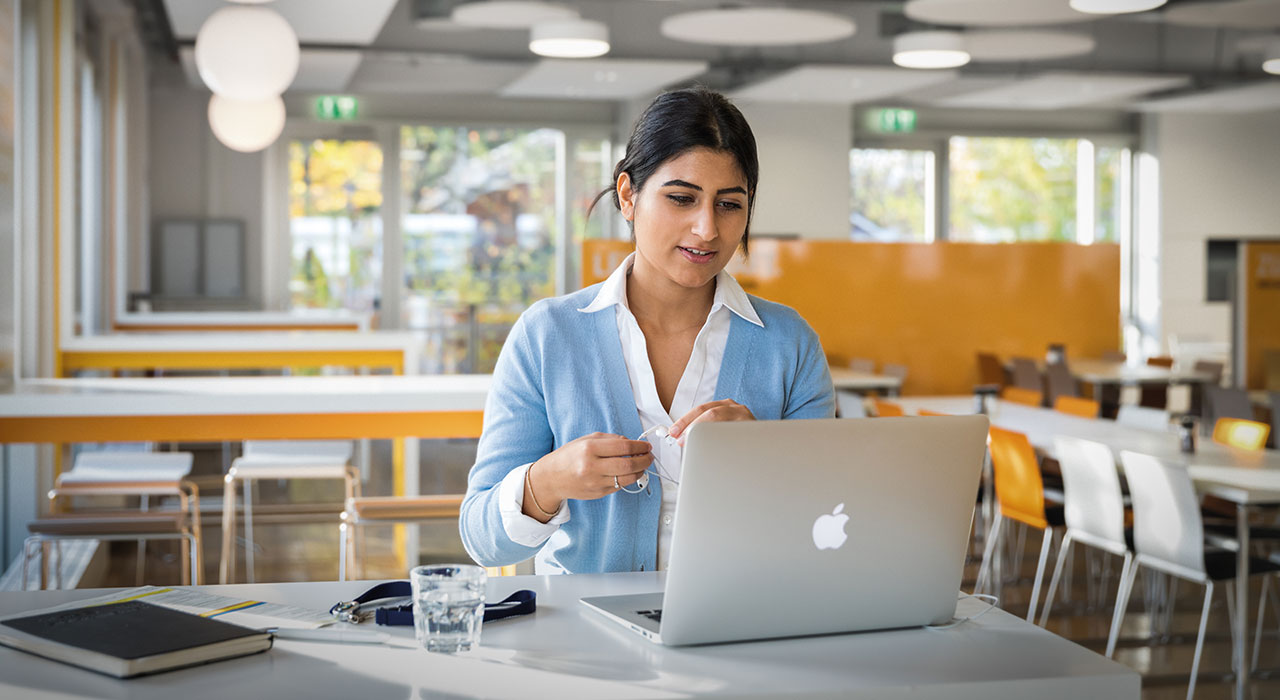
pixel 519 603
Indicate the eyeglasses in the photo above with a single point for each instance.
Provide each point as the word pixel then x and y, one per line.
pixel 659 471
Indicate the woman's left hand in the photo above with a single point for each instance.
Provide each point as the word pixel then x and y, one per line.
pixel 723 410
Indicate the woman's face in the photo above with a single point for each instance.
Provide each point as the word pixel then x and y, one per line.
pixel 690 217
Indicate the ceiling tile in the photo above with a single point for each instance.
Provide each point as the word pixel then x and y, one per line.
pixel 318 70
pixel 1257 97
pixel 1064 90
pixel 601 79
pixel 314 21
pixel 840 84
pixel 428 74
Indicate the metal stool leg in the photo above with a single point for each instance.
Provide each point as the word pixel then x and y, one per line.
pixel 227 566
pixel 248 529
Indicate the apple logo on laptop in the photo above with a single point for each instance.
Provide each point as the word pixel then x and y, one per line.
pixel 828 530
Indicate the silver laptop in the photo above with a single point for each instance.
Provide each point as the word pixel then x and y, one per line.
pixel 801 527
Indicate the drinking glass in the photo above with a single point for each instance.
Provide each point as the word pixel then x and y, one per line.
pixel 448 606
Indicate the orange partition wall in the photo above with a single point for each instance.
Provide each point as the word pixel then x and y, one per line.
pixel 1260 301
pixel 933 306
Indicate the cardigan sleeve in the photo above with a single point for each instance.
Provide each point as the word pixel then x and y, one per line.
pixel 811 394
pixel 516 432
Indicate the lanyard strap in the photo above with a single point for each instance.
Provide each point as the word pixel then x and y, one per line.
pixel 519 603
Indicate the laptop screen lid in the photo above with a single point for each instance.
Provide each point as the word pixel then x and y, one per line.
pixel 800 527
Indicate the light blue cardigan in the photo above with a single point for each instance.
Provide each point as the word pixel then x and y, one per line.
pixel 561 376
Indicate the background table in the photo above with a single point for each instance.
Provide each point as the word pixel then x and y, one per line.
pixel 567 651
pixel 846 379
pixel 1245 478
pixel 214 350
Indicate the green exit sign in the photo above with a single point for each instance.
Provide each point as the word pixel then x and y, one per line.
pixel 891 121
pixel 337 108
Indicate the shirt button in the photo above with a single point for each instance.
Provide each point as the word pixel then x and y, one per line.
pixel 666 520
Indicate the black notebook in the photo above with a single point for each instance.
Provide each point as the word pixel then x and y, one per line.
pixel 130 639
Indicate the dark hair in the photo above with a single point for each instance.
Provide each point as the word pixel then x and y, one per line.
pixel 677 122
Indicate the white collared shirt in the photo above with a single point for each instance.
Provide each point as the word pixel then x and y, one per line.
pixel 697 386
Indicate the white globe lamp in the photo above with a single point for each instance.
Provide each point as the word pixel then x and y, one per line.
pixel 247 53
pixel 246 125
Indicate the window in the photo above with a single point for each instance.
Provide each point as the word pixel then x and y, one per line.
pixel 1037 189
pixel 1013 189
pixel 892 195
pixel 335 199
pixel 479 231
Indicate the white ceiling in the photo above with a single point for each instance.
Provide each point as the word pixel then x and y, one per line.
pixel 377 47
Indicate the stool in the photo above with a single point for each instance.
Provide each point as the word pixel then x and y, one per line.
pixel 277 459
pixel 183 524
pixel 394 510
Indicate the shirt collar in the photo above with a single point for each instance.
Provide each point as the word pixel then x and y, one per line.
pixel 729 294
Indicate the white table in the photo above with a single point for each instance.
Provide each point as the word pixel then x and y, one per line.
pixel 1093 371
pixel 567 651
pixel 216 350
pixel 846 379
pixel 1244 478
pixel 209 321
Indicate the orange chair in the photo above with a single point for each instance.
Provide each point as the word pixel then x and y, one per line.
pixel 887 409
pixel 1076 406
pixel 1020 497
pixel 1027 397
pixel 927 412
pixel 1244 434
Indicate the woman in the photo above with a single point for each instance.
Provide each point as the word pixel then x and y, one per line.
pixel 668 341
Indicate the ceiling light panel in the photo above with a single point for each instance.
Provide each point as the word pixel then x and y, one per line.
pixel 757 26
pixel 1115 7
pixel 1237 14
pixel 840 84
pixel 318 70
pixel 601 79
pixel 993 13
pixel 1066 90
pixel 514 14
pixel 994 46
pixel 314 21
pixel 1259 97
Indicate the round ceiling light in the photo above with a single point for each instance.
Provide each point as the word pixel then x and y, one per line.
pixel 757 26
pixel 1271 60
pixel 996 45
pixel 246 125
pixel 930 50
pixel 509 14
pixel 1115 7
pixel 569 38
pixel 992 13
pixel 246 53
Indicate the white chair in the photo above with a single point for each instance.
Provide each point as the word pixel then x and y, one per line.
pixel 1169 538
pixel 116 472
pixel 278 459
pixel 851 405
pixel 1093 510
pixel 1143 417
pixel 862 364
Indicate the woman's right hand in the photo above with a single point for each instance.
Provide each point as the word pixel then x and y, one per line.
pixel 584 469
